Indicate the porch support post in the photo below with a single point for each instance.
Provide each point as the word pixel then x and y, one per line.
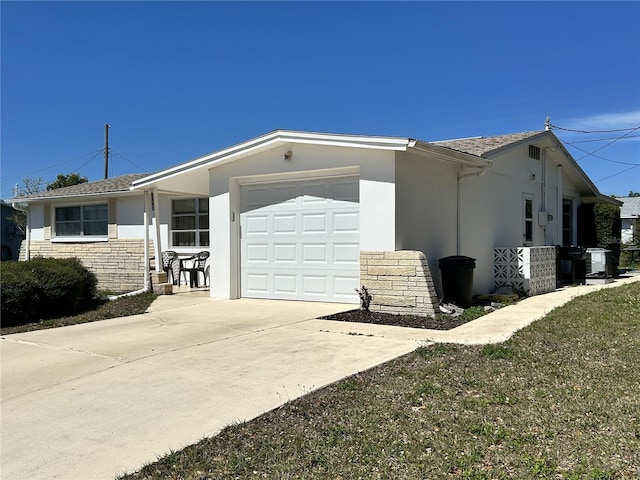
pixel 147 270
pixel 156 239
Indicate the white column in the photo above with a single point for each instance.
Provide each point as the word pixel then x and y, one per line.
pixel 147 207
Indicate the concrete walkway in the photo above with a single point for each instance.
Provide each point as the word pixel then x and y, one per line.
pixel 94 400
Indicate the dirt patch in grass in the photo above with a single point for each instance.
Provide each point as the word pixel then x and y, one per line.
pixel 441 322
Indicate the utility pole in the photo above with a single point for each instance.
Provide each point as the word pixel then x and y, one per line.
pixel 106 150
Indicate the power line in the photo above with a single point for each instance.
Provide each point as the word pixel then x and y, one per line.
pixel 611 142
pixel 599 139
pixel 132 163
pixel 28 174
pixel 593 131
pixel 619 173
pixel 597 156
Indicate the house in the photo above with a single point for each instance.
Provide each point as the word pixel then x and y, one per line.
pixel 629 218
pixel 312 216
pixel 11 234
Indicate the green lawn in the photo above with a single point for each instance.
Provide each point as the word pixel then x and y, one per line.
pixel 561 399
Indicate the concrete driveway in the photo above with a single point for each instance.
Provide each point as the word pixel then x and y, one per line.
pixel 95 400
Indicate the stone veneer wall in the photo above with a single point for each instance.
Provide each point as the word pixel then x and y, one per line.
pixel 399 282
pixel 531 270
pixel 118 264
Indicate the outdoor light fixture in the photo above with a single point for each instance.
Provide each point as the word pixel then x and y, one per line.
pixel 288 154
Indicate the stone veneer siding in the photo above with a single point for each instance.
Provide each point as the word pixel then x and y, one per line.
pixel 399 282
pixel 118 264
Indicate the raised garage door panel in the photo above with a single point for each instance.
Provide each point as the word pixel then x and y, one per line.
pixel 300 240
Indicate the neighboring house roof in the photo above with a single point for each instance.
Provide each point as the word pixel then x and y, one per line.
pixel 121 183
pixel 482 146
pixel 630 207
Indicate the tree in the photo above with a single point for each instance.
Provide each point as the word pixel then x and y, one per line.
pixel 34 185
pixel 633 194
pixel 66 181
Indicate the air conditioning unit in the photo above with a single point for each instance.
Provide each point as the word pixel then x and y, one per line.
pixel 599 263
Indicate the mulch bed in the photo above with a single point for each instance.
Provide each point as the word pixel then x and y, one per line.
pixel 442 322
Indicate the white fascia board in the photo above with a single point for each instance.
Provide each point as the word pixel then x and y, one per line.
pixel 85 197
pixel 279 136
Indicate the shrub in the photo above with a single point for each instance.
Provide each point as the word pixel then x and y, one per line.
pixel 44 288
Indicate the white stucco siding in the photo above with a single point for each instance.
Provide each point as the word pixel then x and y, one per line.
pixel 36 221
pixel 426 208
pixel 375 169
pixel 130 217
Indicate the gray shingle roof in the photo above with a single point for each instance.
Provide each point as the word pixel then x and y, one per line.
pixel 630 207
pixel 482 146
pixel 110 185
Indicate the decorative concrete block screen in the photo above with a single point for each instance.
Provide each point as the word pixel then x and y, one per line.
pixel 118 264
pixel 531 270
pixel 398 282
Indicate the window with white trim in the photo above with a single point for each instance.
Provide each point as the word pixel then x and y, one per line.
pixel 528 210
pixel 190 222
pixel 82 220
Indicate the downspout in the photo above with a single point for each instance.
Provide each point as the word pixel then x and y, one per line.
pixel 147 270
pixel 27 253
pixel 482 171
pixel 544 191
pixel 559 212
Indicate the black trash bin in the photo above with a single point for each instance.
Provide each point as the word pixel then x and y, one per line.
pixel 457 279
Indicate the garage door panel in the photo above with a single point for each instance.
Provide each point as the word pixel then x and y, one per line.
pixel 257 283
pixel 347 222
pixel 346 253
pixel 314 253
pixel 257 253
pixel 284 224
pixel 314 285
pixel 301 240
pixel 285 253
pixel 313 223
pixel 257 225
pixel 285 284
pixel 345 286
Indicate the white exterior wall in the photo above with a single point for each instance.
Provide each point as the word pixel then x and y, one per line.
pixel 492 210
pixel 426 209
pixel 130 217
pixel 492 207
pixel 36 220
pixel 377 198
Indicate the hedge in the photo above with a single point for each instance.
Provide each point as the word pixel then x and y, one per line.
pixel 44 288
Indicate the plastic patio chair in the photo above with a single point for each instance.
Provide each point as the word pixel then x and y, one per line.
pixel 198 263
pixel 170 263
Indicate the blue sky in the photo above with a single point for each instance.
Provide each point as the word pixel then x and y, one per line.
pixel 177 80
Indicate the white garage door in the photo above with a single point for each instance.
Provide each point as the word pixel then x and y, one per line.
pixel 300 240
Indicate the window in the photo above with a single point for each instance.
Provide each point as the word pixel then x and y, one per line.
pixel 190 222
pixel 82 220
pixel 528 219
pixel 567 221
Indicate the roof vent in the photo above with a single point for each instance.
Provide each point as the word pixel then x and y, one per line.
pixel 534 152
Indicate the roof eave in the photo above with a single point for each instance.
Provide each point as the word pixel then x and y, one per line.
pixel 229 154
pixel 49 198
